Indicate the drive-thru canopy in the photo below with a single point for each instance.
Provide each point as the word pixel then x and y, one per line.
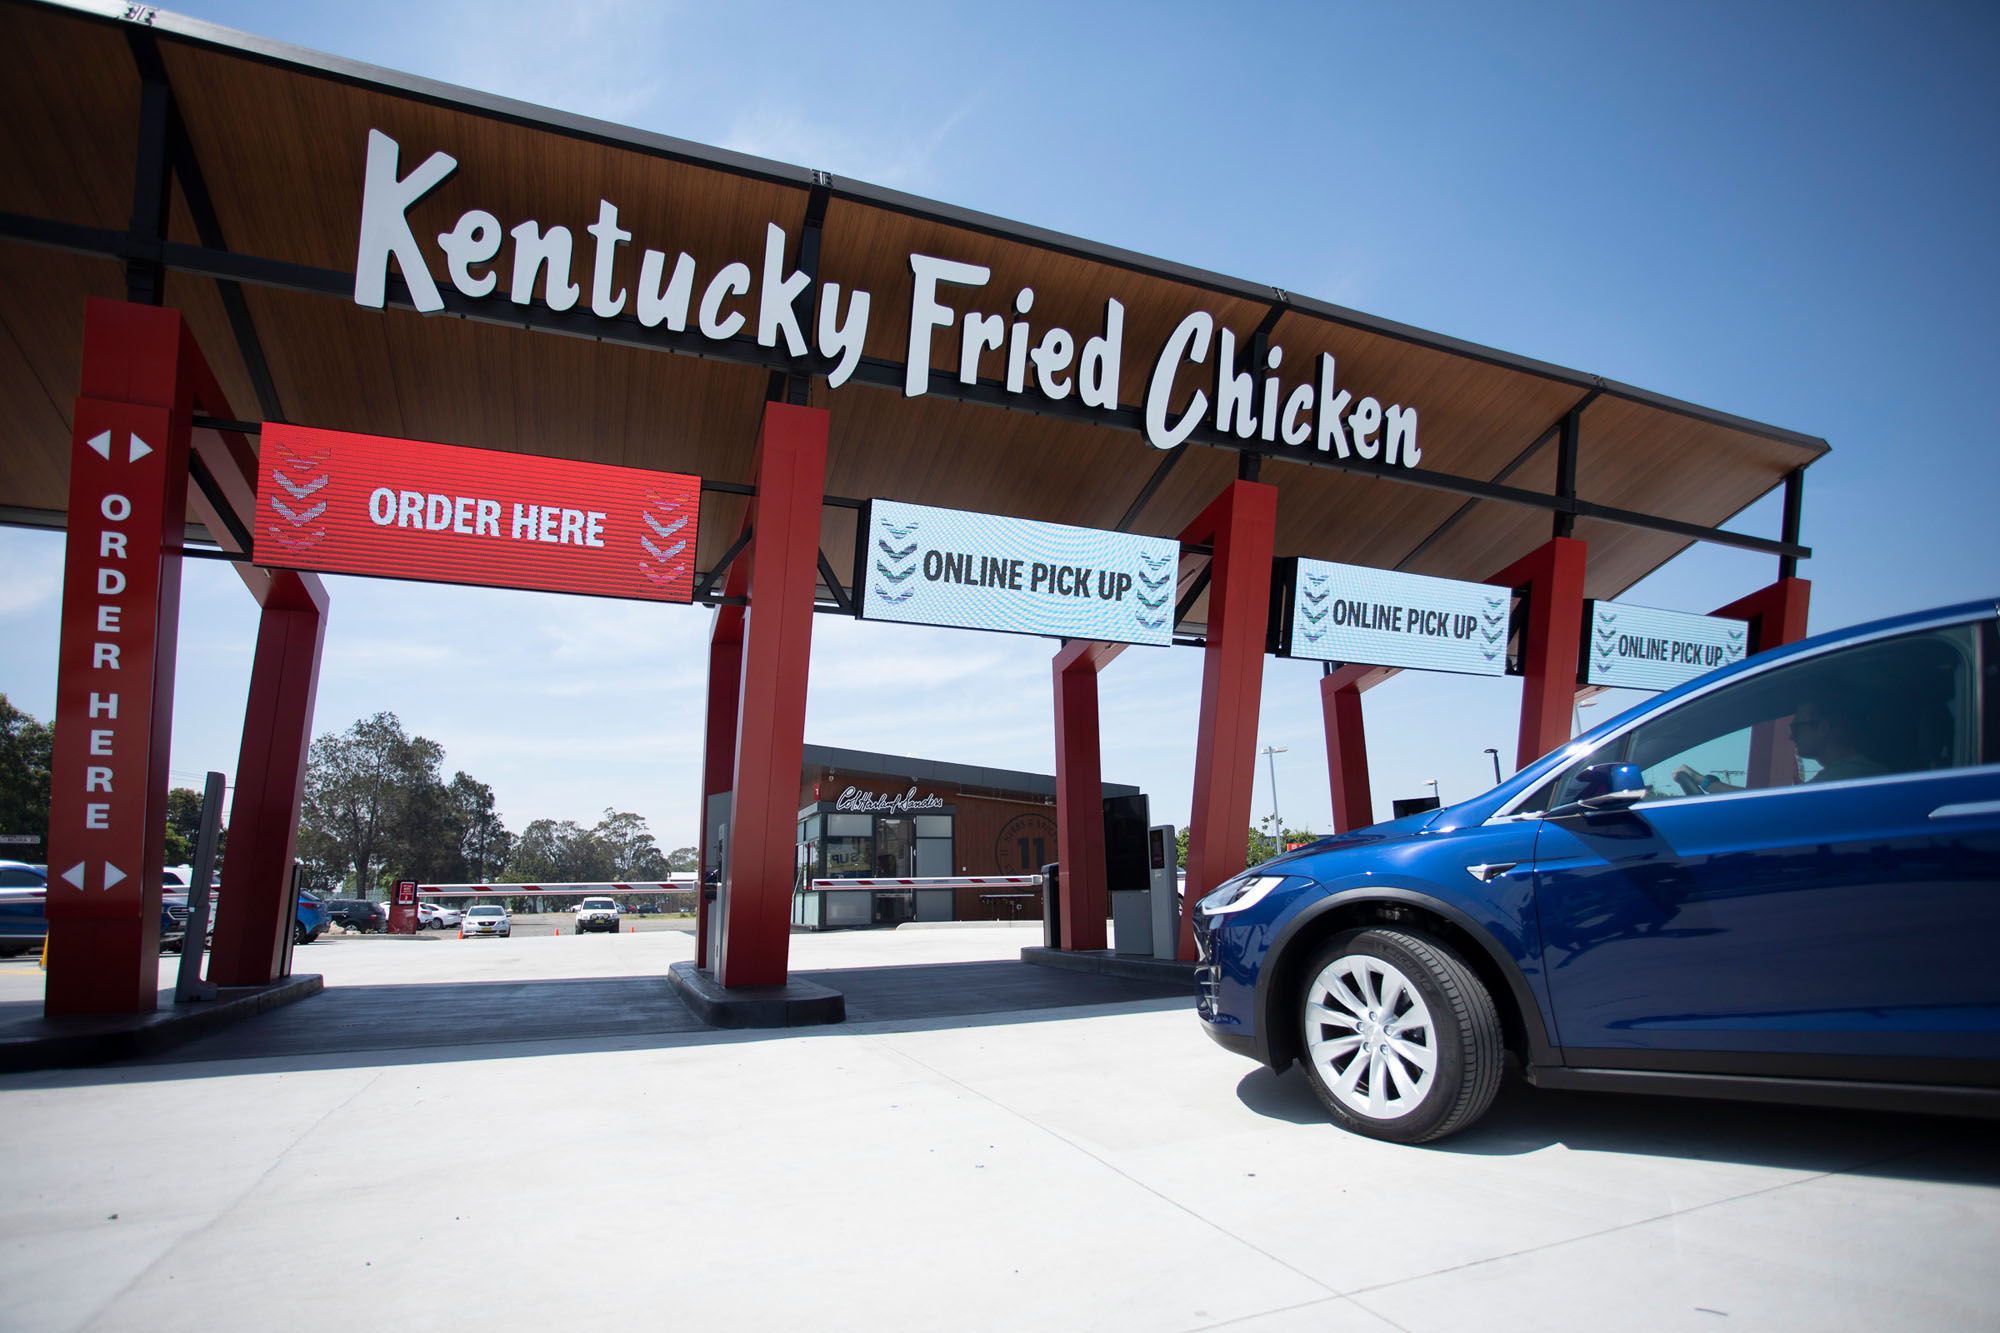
pixel 365 251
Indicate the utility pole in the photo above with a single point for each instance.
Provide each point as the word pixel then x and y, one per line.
pixel 1277 825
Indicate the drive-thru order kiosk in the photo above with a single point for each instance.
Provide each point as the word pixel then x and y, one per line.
pixel 302 315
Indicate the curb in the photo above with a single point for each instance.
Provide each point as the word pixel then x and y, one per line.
pixel 1136 967
pixel 792 1005
pixel 65 1043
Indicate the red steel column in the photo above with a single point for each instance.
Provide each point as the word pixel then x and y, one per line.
pixel 1241 524
pixel 1347 743
pixel 718 755
pixel 1080 794
pixel 1776 612
pixel 1777 616
pixel 115 683
pixel 1553 575
pixel 270 783
pixel 771 709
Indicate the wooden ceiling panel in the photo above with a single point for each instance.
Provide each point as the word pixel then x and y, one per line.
pixel 70 108
pixel 285 158
pixel 41 307
pixel 1638 458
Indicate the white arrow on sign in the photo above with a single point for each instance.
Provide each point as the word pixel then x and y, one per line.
pixel 100 444
pixel 76 873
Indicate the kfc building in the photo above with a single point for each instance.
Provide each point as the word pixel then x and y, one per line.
pixel 880 816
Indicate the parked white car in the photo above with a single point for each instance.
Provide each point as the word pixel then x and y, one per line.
pixel 597 914
pixel 485 919
pixel 437 917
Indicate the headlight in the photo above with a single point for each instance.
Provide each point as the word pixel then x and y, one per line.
pixel 1240 894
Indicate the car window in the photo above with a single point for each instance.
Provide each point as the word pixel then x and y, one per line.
pixel 1903 705
pixel 13 878
pixel 487 911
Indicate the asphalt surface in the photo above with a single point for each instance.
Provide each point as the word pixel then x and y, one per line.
pixel 938 1163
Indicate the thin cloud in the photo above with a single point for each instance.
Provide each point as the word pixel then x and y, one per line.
pixel 882 155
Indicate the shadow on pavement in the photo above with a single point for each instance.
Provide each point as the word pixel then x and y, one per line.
pixel 367 1026
pixel 1526 1119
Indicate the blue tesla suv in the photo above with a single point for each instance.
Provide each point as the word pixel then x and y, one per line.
pixel 1779 881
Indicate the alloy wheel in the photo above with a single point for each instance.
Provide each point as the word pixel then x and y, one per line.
pixel 1370 1036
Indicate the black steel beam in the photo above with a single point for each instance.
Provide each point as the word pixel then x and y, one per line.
pixel 1566 446
pixel 186 168
pixel 1145 494
pixel 231 520
pixel 841 599
pixel 1188 598
pixel 704 582
pixel 627 331
pixel 1795 485
pixel 152 191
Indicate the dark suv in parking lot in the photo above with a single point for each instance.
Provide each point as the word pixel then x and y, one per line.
pixel 356 914
pixel 1779 881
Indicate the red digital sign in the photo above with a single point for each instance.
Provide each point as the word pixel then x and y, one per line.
pixel 341 503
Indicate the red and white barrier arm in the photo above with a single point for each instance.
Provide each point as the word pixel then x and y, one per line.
pixel 935 882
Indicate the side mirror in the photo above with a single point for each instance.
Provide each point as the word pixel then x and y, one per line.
pixel 1605 787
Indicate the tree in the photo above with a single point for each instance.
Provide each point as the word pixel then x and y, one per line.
pixel 683 859
pixel 559 852
pixel 425 828
pixel 26 751
pixel 483 840
pixel 1260 847
pixel 183 825
pixel 367 802
pixel 634 854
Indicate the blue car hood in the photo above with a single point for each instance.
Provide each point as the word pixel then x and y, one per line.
pixel 1375 835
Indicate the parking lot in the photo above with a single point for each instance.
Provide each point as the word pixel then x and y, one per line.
pixel 533 1132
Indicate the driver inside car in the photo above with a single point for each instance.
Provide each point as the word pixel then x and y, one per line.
pixel 1825 731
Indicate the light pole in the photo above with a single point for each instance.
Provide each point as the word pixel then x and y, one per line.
pixel 1496 765
pixel 1432 783
pixel 1277 825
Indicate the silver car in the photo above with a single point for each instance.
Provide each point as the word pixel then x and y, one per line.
pixel 485 919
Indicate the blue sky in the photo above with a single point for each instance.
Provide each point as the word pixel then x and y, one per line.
pixel 1783 211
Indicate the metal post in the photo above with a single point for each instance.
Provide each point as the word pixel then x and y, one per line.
pixel 1277 824
pixel 1497 779
pixel 1795 485
pixel 1565 521
pixel 188 985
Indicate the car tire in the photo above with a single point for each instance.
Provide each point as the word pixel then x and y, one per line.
pixel 1376 1007
pixel 299 935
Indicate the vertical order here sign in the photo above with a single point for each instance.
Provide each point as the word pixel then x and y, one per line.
pixel 340 503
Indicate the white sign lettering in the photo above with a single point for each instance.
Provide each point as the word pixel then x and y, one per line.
pixel 1246 402
pixel 868 802
pixel 1351 613
pixel 1640 648
pixel 979 571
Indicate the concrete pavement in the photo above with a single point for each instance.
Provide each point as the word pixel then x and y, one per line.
pixel 1089 1166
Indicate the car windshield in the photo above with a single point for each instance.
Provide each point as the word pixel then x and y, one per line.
pixel 599 904
pixel 487 911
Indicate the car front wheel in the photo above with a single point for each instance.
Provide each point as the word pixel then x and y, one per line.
pixel 1400 1039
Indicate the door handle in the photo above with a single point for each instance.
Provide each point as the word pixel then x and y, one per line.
pixel 1486 874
